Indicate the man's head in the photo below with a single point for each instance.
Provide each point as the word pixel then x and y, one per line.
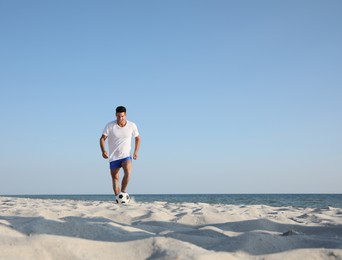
pixel 121 114
pixel 120 109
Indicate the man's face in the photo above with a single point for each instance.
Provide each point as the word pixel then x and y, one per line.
pixel 120 117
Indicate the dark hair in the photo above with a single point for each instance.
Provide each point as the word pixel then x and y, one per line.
pixel 120 109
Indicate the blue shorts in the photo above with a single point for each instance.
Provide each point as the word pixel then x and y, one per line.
pixel 117 163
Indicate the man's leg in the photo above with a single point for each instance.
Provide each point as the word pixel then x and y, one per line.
pixel 127 167
pixel 115 180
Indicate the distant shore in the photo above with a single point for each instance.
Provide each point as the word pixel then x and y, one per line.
pixel 76 229
pixel 276 200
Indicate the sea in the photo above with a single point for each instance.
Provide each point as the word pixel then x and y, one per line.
pixel 275 200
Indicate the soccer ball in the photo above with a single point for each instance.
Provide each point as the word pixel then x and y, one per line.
pixel 122 198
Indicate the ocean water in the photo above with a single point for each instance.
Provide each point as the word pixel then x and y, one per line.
pixel 276 200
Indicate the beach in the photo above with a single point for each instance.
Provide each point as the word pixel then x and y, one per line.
pixel 74 229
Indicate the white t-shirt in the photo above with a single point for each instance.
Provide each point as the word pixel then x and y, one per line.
pixel 119 139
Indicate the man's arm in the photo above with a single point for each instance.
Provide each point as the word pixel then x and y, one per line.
pixel 103 148
pixel 137 146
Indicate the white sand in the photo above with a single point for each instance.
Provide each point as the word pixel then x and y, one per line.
pixel 67 229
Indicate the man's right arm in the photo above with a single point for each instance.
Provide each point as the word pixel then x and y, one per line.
pixel 103 148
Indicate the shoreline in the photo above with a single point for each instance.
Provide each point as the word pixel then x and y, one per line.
pixel 71 229
pixel 276 200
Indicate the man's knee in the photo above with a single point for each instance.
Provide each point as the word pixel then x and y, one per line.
pixel 115 174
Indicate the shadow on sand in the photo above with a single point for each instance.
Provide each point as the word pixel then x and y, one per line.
pixel 255 237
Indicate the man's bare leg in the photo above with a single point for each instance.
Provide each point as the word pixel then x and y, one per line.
pixel 127 167
pixel 115 180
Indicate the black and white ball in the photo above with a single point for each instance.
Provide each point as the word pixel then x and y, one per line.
pixel 122 198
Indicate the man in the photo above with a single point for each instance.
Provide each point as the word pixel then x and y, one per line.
pixel 119 133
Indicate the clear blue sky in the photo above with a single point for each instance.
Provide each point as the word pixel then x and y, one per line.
pixel 228 96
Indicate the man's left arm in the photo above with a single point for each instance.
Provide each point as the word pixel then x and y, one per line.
pixel 137 146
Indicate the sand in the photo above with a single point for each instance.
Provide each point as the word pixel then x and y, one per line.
pixel 69 229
